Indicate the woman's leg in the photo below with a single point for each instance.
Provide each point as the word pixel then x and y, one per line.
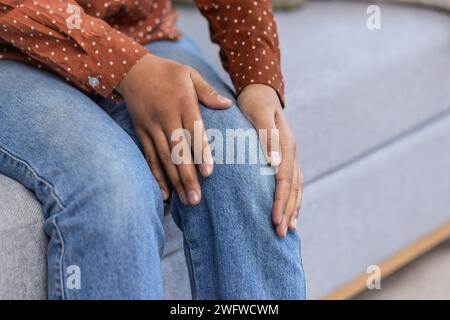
pixel 102 206
pixel 230 241
pixel 231 247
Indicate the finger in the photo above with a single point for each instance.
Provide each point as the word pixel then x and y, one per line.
pixel 180 147
pixel 153 163
pixel 290 208
pixel 164 153
pixel 298 202
pixel 207 94
pixel 283 179
pixel 269 138
pixel 201 150
pixel 281 229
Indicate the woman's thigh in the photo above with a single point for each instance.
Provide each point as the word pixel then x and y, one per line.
pixel 58 142
pixel 103 207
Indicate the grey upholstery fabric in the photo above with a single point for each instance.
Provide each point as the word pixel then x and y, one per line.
pixel 23 260
pixel 360 103
pixel 370 210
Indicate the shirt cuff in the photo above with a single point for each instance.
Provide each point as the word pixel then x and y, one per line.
pixel 106 62
pixel 257 68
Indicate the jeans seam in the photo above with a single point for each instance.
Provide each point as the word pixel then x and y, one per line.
pixel 194 280
pixel 59 262
pixel 54 223
pixel 187 250
pixel 302 266
pixel 35 175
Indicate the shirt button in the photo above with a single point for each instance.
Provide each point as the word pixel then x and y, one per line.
pixel 93 82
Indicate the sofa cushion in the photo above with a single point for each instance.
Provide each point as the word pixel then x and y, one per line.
pixel 23 259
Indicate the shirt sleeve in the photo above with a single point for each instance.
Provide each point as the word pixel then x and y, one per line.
pixel 59 35
pixel 246 32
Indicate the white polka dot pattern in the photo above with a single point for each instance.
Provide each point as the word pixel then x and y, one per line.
pixel 97 53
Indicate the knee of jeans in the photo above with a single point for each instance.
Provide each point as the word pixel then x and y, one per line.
pixel 237 150
pixel 246 181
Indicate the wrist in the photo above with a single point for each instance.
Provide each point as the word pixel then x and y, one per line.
pixel 126 84
pixel 258 96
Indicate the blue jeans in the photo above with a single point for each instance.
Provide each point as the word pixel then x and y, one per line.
pixel 104 210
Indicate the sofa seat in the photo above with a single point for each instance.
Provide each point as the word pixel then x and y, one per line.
pixel 371 112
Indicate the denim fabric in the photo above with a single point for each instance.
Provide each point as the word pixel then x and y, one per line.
pixel 103 207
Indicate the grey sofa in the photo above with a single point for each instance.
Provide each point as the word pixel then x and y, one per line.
pixel 371 111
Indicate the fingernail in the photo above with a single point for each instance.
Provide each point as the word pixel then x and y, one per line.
pixel 223 99
pixel 208 163
pixel 283 232
pixel 204 170
pixel 207 169
pixel 295 222
pixel 275 158
pixel 208 159
pixel 193 197
pixel 164 195
pixel 292 226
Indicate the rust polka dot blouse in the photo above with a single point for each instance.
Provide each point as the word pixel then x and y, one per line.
pixel 93 44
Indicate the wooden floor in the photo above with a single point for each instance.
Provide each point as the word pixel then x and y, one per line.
pixel 425 278
pixel 395 262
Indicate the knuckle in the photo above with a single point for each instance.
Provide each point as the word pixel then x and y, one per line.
pixel 284 180
pixel 185 69
pixel 186 100
pixel 301 178
pixel 211 91
pixel 166 159
pixel 150 163
pixel 189 181
pixel 191 70
pixel 176 182
pixel 140 131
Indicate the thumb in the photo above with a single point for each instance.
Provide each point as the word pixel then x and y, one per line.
pixel 207 95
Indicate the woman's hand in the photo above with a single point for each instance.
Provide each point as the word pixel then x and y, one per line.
pixel 261 105
pixel 162 96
